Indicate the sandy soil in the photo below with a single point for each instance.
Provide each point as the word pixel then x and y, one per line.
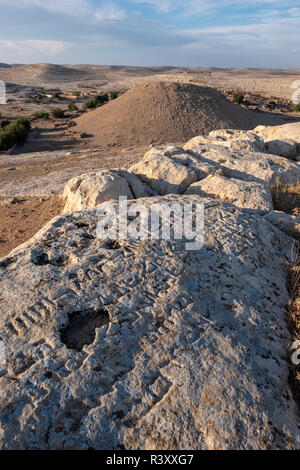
pixel 22 218
pixel 37 181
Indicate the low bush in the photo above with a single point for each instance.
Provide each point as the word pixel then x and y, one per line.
pixel 55 96
pixel 238 98
pixel 42 115
pixel 90 104
pixel 103 98
pixel 286 198
pixel 113 95
pixel 97 101
pixel 58 113
pixel 297 107
pixel 4 124
pixel 72 107
pixel 14 133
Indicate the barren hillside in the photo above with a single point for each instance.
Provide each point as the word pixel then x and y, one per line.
pixel 165 112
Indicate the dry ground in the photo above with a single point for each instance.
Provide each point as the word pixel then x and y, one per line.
pixel 21 218
pixel 37 180
pixel 30 173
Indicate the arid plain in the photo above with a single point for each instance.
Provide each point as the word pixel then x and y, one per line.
pixel 35 178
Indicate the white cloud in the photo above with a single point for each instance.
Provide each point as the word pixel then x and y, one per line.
pixel 30 47
pixel 110 12
pixel 193 7
pixel 69 7
pixel 278 36
pixel 76 8
pixel 163 5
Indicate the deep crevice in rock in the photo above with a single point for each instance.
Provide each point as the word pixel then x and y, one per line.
pixel 80 330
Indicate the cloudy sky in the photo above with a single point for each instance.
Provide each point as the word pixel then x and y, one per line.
pixel 224 33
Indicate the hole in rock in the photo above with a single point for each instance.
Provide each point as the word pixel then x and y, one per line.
pixel 113 245
pixel 39 258
pixel 80 330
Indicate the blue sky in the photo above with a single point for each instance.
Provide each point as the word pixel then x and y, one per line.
pixel 222 33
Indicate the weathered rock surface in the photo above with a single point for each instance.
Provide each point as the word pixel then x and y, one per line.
pixel 172 170
pixel 88 191
pixel 287 148
pixel 231 139
pixel 247 166
pixel 289 224
pixel 249 195
pixel 284 132
pixel 165 172
pixel 281 140
pixel 144 345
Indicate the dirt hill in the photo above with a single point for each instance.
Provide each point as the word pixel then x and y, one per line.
pixel 40 74
pixel 165 112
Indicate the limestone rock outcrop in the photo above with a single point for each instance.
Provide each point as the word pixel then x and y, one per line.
pixel 247 194
pixel 286 131
pixel 90 190
pixel 144 345
pixel 288 223
pixel 126 343
pixel 281 140
pixel 174 170
pixel 232 139
pixel 165 172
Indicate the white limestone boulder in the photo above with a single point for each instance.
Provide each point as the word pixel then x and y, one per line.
pixel 284 132
pixel 288 223
pixel 144 345
pixel 90 190
pixel 247 166
pixel 165 172
pixel 229 138
pixel 281 140
pixel 287 148
pixel 246 194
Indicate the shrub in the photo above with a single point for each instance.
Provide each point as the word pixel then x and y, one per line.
pixel 238 98
pixel 286 198
pixel 97 101
pixel 14 133
pixel 272 103
pixel 113 95
pixel 58 113
pixel 90 104
pixel 72 107
pixel 4 124
pixel 42 115
pixel 22 122
pixel 55 96
pixel 103 98
pixel 297 107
